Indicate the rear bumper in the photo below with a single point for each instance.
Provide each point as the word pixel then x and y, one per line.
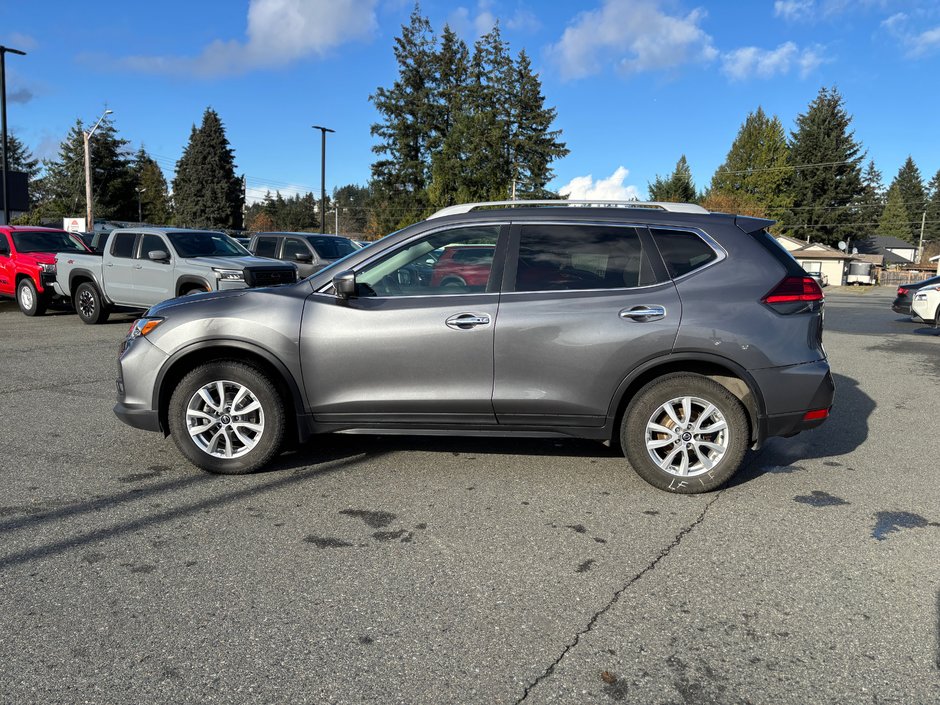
pixel 791 392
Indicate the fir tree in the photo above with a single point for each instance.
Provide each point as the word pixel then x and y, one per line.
pixel 154 196
pixel 932 220
pixel 19 158
pixel 873 195
pixel 913 196
pixel 895 221
pixel 206 191
pixel 826 184
pixel 756 169
pixel 677 187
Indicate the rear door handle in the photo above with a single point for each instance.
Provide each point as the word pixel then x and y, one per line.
pixel 644 313
pixel 466 321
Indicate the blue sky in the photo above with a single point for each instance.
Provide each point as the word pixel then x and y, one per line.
pixel 636 82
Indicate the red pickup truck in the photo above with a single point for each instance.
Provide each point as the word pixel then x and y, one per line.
pixel 27 264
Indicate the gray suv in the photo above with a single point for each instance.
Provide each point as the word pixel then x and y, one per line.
pixel 684 337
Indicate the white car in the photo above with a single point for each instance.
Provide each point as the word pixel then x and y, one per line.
pixel 926 304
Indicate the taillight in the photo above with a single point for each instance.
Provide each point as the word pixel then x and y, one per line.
pixel 901 291
pixel 794 290
pixel 816 415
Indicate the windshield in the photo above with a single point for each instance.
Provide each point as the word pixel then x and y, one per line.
pixel 39 241
pixel 204 244
pixel 332 247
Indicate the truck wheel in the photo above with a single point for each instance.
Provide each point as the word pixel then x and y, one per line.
pixel 227 417
pixel 31 302
pixel 89 305
pixel 685 433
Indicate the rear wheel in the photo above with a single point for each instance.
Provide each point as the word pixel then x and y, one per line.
pixel 685 433
pixel 89 305
pixel 227 417
pixel 31 302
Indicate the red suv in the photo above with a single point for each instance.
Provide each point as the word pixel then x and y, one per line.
pixel 27 264
pixel 464 266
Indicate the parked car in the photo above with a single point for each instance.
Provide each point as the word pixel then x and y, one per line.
pixel 902 304
pixel 310 252
pixel 682 336
pixel 463 267
pixel 821 278
pixel 27 264
pixel 926 304
pixel 143 266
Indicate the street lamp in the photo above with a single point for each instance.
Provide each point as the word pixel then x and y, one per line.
pixel 90 208
pixel 3 126
pixel 140 210
pixel 323 131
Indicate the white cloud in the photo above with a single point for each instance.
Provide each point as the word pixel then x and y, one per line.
pixel 792 10
pixel 524 21
pixel 278 32
pixel 633 35
pixel 477 22
pixel 23 42
pixel 584 188
pixel 916 44
pixel 754 62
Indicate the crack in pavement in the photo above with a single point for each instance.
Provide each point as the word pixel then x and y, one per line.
pixel 616 597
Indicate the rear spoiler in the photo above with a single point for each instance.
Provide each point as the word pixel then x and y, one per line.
pixel 751 225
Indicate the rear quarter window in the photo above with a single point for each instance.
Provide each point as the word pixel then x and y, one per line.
pixel 683 251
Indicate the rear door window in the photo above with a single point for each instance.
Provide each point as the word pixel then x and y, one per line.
pixel 683 251
pixel 123 246
pixel 266 247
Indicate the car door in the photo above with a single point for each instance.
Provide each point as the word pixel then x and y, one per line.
pixel 403 351
pixel 7 270
pixel 155 280
pixel 119 270
pixel 582 306
pixel 294 246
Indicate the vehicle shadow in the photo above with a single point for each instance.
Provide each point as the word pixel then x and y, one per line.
pixel 844 431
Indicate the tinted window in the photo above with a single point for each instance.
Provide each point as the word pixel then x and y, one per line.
pixel 266 247
pixel 571 257
pixel 205 244
pixel 682 251
pixel 38 241
pixel 149 244
pixel 124 245
pixel 332 247
pixel 293 246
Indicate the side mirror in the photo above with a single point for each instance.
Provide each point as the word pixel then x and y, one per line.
pixel 158 256
pixel 345 284
pixel 305 257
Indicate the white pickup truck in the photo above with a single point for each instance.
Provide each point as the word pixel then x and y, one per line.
pixel 141 267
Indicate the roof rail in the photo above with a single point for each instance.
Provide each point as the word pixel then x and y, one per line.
pixel 657 205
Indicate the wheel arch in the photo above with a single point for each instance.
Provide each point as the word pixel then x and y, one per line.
pixel 200 353
pixel 77 277
pixel 187 281
pixel 728 374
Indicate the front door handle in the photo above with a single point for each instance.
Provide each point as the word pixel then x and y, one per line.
pixel 466 321
pixel 644 313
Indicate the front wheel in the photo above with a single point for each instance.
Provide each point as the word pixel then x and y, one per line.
pixel 31 302
pixel 89 305
pixel 685 433
pixel 227 417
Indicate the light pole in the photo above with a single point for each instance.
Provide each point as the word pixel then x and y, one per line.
pixel 140 209
pixel 89 203
pixel 3 127
pixel 323 131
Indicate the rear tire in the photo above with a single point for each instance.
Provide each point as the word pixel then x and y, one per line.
pixel 89 304
pixel 227 417
pixel 31 302
pixel 685 433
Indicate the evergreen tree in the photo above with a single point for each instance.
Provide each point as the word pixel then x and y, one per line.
pixel 677 187
pixel 756 169
pixel 913 195
pixel 895 221
pixel 353 202
pixel 20 158
pixel 206 191
pixel 826 183
pixel 873 195
pixel 154 197
pixel 932 221
pixel 452 71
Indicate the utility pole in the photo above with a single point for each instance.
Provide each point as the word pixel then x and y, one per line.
pixel 323 131
pixel 89 201
pixel 920 245
pixel 140 209
pixel 3 127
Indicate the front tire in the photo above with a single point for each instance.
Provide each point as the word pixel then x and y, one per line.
pixel 30 301
pixel 227 417
pixel 685 433
pixel 89 304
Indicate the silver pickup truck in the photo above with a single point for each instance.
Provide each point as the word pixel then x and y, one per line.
pixel 141 267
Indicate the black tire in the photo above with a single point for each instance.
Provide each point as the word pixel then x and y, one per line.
pixel 187 407
pixel 647 414
pixel 89 305
pixel 30 301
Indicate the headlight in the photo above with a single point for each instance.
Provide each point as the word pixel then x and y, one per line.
pixel 47 268
pixel 236 275
pixel 920 297
pixel 143 326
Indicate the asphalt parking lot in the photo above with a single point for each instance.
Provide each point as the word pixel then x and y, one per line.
pixel 410 570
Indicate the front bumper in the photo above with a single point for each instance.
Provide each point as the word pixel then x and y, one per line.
pixel 144 419
pixel 138 366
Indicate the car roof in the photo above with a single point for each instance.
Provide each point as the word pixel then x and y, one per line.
pixel 32 229
pixel 285 232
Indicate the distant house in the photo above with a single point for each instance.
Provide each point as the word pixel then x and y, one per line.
pixel 814 257
pixel 895 250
